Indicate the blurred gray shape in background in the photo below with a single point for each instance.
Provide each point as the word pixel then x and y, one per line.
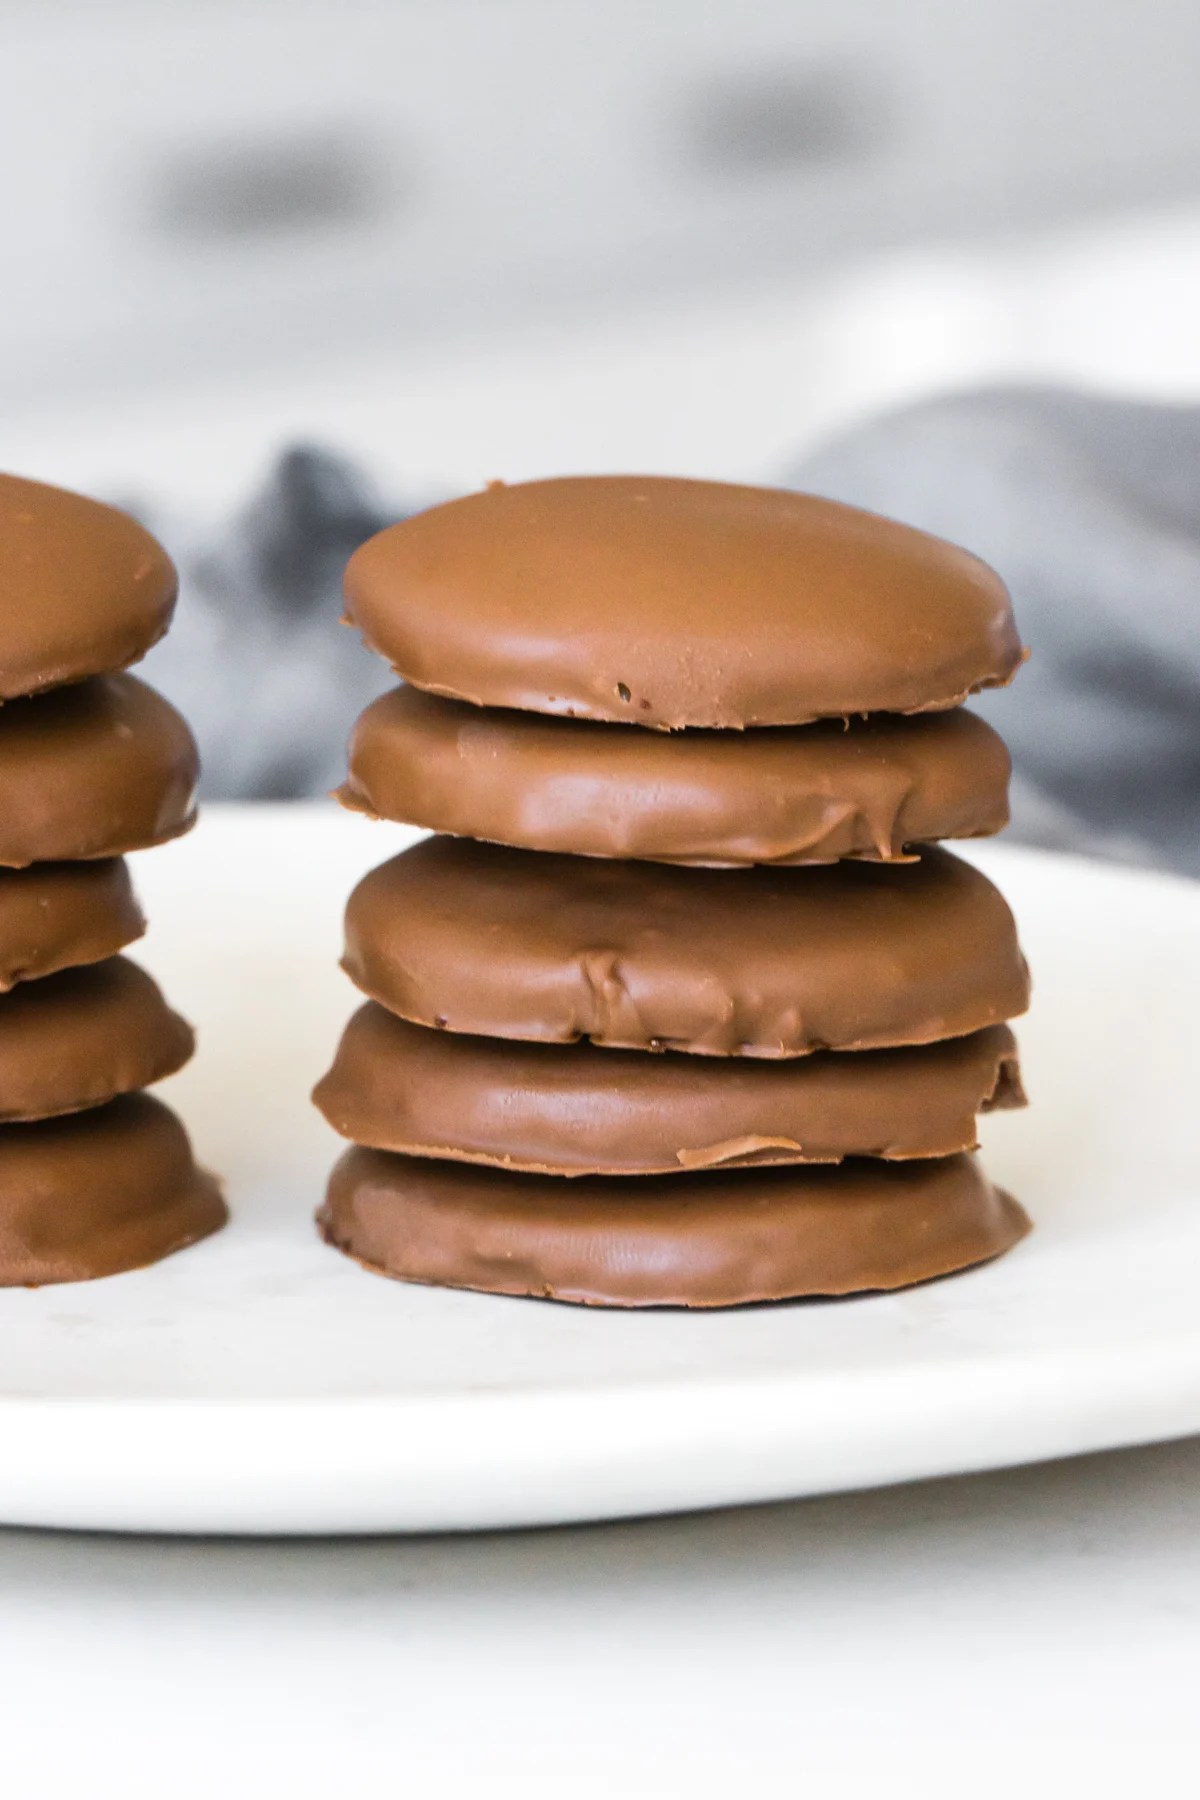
pixel 1090 509
pixel 256 659
pixel 261 185
pixel 793 118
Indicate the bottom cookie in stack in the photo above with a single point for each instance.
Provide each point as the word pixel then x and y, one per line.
pixel 98 1192
pixel 708 1240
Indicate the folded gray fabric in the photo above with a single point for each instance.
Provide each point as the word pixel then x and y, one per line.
pixel 256 658
pixel 1090 509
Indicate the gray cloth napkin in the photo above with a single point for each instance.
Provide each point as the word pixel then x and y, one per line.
pixel 256 659
pixel 1089 507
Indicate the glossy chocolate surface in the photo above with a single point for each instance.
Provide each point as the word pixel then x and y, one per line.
pixel 93 770
pixel 799 794
pixel 669 603
pixel 99 1192
pixel 573 1109
pixel 635 955
pixel 62 915
pixel 81 1037
pixel 84 590
pixel 706 1240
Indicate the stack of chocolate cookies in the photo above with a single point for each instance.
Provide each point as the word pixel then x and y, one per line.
pixel 95 1176
pixel 680 1007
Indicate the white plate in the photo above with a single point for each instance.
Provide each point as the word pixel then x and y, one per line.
pixel 261 1383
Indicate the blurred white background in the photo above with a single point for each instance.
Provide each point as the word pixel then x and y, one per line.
pixel 463 238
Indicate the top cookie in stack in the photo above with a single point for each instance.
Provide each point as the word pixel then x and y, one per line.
pixel 95 1177
pixel 677 604
pixel 668 671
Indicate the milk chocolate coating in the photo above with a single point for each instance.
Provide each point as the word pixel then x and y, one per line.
pixel 83 1036
pixel 669 603
pixel 84 590
pixel 93 770
pixel 807 794
pixel 99 1192
pixel 637 955
pixel 573 1109
pixel 61 915
pixel 699 1240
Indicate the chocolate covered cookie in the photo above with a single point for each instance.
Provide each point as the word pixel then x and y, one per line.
pixel 573 1109
pixel 870 788
pixel 753 962
pixel 61 915
pixel 696 1240
pixel 673 603
pixel 84 590
pixel 99 1192
pixel 93 770
pixel 81 1037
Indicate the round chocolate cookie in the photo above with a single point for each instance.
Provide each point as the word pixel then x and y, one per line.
pixel 670 603
pixel 61 915
pixel 573 1109
pixel 638 955
pixel 698 1240
pixel 84 590
pixel 807 794
pixel 93 770
pixel 79 1038
pixel 102 1191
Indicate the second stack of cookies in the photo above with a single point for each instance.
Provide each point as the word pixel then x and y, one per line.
pixel 96 1176
pixel 677 1008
